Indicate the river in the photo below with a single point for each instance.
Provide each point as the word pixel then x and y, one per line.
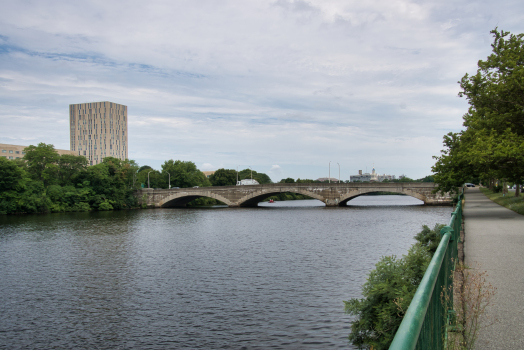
pixel 272 277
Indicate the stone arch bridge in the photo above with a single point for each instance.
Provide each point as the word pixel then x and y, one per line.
pixel 332 194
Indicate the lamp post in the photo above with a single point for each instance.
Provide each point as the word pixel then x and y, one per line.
pixel 338 173
pixel 169 179
pixel 251 173
pixel 237 173
pixel 148 178
pixel 329 176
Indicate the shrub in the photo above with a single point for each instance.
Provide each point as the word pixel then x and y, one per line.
pixel 388 291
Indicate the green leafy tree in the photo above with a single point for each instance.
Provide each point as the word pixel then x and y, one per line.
pixel 287 181
pixel 492 143
pixel 42 162
pixel 224 177
pixel 13 180
pixel 184 174
pixel 260 177
pixel 305 181
pixel 156 179
pixel 69 167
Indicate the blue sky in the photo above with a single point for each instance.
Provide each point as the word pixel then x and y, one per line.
pixel 282 86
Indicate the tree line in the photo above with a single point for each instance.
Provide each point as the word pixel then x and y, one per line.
pixel 44 181
pixel 491 147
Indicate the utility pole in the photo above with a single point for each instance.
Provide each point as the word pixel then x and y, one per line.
pixel 169 179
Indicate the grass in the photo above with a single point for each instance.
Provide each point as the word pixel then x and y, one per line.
pixel 509 201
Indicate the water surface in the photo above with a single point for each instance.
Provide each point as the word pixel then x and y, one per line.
pixel 246 278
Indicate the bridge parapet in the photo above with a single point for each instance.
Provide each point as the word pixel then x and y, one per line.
pixel 248 196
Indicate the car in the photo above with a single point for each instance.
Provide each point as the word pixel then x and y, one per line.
pixel 195 186
pixel 470 185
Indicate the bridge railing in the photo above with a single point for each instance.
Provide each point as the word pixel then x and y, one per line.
pixel 426 320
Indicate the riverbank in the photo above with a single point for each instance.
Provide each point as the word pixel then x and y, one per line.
pixel 508 201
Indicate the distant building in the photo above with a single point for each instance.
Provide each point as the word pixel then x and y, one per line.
pixel 16 151
pixel 98 130
pixel 209 173
pixel 373 177
pixel 247 182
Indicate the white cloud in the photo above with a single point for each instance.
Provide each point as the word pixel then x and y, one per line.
pixel 289 82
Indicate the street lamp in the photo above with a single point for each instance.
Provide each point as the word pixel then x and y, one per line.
pixel 338 173
pixel 169 179
pixel 148 178
pixel 251 173
pixel 237 173
pixel 329 177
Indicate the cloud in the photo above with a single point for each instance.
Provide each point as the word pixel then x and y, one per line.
pixel 207 166
pixel 289 82
pixel 275 169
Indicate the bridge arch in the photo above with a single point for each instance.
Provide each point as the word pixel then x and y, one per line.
pixel 353 194
pixel 181 199
pixel 252 199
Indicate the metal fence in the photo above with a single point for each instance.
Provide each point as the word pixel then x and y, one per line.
pixel 425 323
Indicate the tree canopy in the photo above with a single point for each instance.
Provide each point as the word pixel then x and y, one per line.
pixel 224 177
pixel 492 144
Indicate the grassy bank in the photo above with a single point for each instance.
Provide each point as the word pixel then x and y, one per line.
pixel 508 201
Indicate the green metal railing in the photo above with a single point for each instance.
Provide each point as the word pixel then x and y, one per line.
pixel 425 323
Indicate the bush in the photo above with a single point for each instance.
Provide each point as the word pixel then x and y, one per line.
pixel 105 205
pixel 388 291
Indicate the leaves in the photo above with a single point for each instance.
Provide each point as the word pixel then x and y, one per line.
pixel 492 145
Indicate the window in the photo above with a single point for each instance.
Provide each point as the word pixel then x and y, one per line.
pixel 17 152
pixel 4 151
pixel 10 157
pixel 10 151
pixel 23 152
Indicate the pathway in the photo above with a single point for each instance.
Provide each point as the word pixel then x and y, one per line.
pixel 494 238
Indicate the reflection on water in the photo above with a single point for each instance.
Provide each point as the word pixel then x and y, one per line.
pixel 247 278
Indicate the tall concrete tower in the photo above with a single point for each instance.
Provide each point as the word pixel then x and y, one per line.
pixel 98 130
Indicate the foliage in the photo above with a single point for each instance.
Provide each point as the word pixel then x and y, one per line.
pixel 491 145
pixel 429 178
pixel 42 162
pixel 224 177
pixel 387 293
pixel 287 181
pixel 48 182
pixel 472 295
pixel 430 238
pixel 183 174
pixel 306 181
pixel 260 177
pixel 288 196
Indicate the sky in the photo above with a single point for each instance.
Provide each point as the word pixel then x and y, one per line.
pixel 291 88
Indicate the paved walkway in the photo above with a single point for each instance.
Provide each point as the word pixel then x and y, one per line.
pixel 494 238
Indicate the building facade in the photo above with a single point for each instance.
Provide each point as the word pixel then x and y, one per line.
pixel 98 130
pixel 16 151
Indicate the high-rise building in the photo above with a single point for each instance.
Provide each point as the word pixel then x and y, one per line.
pixel 98 130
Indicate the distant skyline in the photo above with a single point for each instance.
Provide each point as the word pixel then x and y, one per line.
pixel 282 86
